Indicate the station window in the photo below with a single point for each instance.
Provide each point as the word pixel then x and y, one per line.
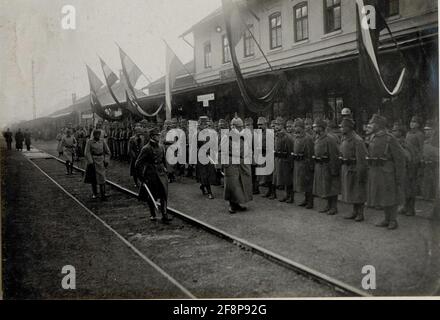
pixel 225 49
pixel 275 30
pixel 392 8
pixel 301 18
pixel 248 41
pixel 332 14
pixel 207 54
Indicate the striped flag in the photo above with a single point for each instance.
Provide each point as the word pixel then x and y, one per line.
pixel 368 39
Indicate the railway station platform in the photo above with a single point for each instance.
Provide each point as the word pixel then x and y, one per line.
pixel 406 261
pixel 45 230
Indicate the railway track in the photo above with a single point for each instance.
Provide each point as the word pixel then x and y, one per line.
pixel 128 220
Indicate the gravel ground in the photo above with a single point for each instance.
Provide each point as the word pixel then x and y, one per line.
pixel 207 266
pixel 406 260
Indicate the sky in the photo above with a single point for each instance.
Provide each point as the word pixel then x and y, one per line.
pixel 31 30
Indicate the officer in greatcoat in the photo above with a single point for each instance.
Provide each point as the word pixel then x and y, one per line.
pixel 386 162
pixel 430 165
pixel 205 172
pixel 135 145
pixel 271 188
pixel 249 127
pixel 238 176
pixel 263 179
pixel 19 140
pixel 326 182
pixel 303 167
pixel 353 169
pixel 416 138
pixel 283 169
pixel 151 166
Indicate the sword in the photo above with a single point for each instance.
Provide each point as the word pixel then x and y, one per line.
pixel 212 161
pixel 151 196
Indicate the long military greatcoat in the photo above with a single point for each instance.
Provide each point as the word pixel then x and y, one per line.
pixel 385 182
pixel 327 180
pixel 96 152
pixel 135 145
pixel 430 182
pixel 354 173
pixel 283 169
pixel 68 145
pixel 205 173
pixel 303 168
pixel 238 177
pixel 412 161
pixel 151 166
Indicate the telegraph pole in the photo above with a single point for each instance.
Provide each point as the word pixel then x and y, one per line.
pixel 34 104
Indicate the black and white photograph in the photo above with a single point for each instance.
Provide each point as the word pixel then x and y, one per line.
pixel 219 150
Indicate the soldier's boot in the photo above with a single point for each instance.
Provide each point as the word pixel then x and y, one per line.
pixel 360 213
pixel 102 192
pixel 291 195
pixel 386 221
pixel 327 207
pixel 410 207
pixel 71 168
pixel 286 196
pixel 152 208
pixel 94 191
pixel 273 195
pixel 333 203
pixel 164 211
pixel 392 214
pixel 310 199
pixel 208 188
pixel 202 188
pixel 353 214
pixel 269 192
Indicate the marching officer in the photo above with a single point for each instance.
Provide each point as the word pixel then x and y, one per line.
pixel 354 169
pixel 205 172
pixel 135 145
pixel 326 181
pixel 151 166
pixel 238 177
pixel 303 150
pixel 386 171
pixel 69 144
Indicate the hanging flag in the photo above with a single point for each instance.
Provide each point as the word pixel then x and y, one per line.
pixel 368 41
pixel 235 27
pixel 173 66
pixel 96 85
pixel 110 78
pixel 134 107
pixel 131 71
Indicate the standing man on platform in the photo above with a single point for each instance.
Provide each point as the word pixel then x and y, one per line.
pixel 135 145
pixel 386 172
pixel 303 150
pixel 151 167
pixel 8 137
pixel 354 169
pixel 267 179
pixel 326 182
pixel 19 140
pixel 238 177
pixel 27 139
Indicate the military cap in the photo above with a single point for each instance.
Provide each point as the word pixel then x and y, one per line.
pixel 290 123
pixel 429 125
pixel 153 131
pixel 349 122
pixel 248 121
pixel 203 120
pixel 167 122
pixel 237 122
pixel 346 112
pixel 320 123
pixel 416 119
pixel 262 120
pixel 273 122
pixel 299 123
pixel 378 119
pixel 174 120
pixel 222 122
